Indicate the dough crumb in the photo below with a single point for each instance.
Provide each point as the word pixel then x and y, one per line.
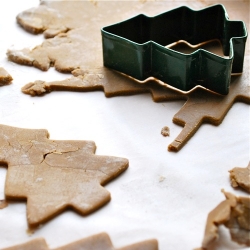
pixel 162 178
pixel 30 231
pixel 165 131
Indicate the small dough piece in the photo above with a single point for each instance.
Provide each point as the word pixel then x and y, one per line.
pixel 36 88
pixel 5 77
pixel 99 241
pixel 54 175
pixel 165 131
pixel 3 204
pixel 234 213
pixel 240 177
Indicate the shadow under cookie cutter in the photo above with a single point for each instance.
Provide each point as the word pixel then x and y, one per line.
pixel 137 47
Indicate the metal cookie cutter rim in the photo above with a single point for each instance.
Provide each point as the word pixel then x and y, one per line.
pixel 137 47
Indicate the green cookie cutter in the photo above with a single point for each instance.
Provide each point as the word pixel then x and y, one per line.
pixel 136 47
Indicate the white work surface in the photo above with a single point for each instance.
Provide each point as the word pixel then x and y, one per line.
pixel 162 195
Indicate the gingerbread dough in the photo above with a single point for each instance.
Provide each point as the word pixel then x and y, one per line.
pixel 103 79
pixel 205 107
pixel 79 51
pixel 165 131
pixel 54 175
pixel 42 18
pixel 3 204
pixel 202 106
pixel 234 213
pixel 5 77
pixel 99 241
pixel 240 177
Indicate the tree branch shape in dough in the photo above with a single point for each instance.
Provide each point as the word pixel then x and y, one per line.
pixel 54 175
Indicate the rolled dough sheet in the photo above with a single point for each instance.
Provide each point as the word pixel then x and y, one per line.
pixel 77 48
pixel 162 195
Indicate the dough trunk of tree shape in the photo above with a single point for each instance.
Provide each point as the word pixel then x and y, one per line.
pixel 206 107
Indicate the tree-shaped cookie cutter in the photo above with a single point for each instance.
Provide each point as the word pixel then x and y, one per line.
pixel 137 47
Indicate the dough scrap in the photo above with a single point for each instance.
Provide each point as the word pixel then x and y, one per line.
pixel 54 175
pixel 234 213
pixel 165 131
pixel 5 77
pixel 3 204
pixel 99 241
pixel 240 177
pixel 80 50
